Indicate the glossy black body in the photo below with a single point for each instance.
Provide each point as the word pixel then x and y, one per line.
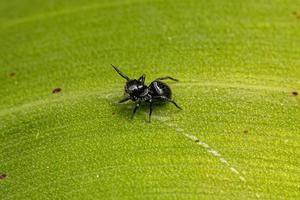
pixel 159 88
pixel 138 92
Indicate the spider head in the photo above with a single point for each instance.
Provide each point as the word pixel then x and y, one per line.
pixel 135 88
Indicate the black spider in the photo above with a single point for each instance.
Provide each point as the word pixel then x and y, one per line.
pixel 137 91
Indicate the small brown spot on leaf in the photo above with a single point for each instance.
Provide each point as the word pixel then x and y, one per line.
pixel 295 93
pixel 12 74
pixel 296 14
pixel 196 140
pixel 113 113
pixel 56 90
pixel 245 131
pixel 2 176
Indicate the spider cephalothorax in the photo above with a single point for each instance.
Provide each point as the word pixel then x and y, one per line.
pixel 137 91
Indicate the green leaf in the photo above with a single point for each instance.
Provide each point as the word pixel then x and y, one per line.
pixel 64 136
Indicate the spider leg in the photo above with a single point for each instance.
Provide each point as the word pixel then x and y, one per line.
pixel 167 77
pixel 119 72
pixel 142 78
pixel 169 100
pixel 123 100
pixel 150 112
pixel 135 108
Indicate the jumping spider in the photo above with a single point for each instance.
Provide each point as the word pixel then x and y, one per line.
pixel 138 92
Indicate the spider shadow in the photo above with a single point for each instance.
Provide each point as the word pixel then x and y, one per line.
pixel 126 109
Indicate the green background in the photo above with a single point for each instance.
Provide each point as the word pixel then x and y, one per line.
pixel 237 62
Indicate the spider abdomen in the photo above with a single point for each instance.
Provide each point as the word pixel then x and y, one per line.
pixel 160 89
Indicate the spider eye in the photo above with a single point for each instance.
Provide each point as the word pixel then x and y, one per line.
pixel 132 88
